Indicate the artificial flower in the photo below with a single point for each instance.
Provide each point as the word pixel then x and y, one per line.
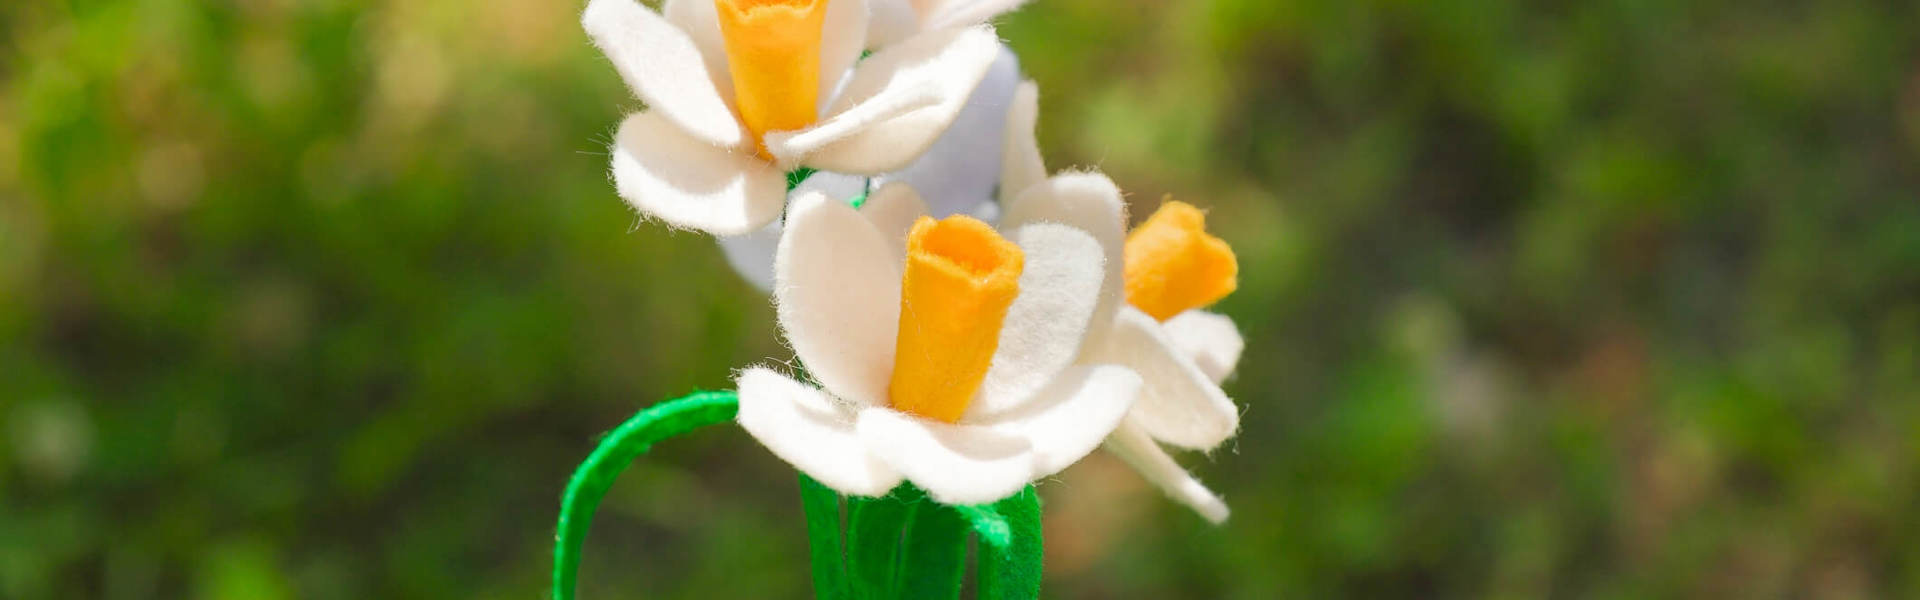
pixel 738 92
pixel 956 175
pixel 1170 269
pixel 946 354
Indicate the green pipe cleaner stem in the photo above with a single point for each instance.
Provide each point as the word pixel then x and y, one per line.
pixel 625 443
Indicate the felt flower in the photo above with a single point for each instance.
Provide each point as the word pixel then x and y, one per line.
pixel 947 353
pixel 957 174
pixel 1170 269
pixel 740 91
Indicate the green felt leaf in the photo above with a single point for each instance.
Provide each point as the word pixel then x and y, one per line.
pixel 624 444
pixel 1012 570
pixel 823 536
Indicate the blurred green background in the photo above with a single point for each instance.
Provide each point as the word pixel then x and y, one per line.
pixel 1615 299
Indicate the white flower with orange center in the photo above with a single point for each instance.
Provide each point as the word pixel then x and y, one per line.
pixel 1170 269
pixel 738 92
pixel 947 353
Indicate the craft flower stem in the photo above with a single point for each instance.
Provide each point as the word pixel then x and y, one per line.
pixel 901 545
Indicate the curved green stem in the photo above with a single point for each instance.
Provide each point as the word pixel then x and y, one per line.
pixel 624 444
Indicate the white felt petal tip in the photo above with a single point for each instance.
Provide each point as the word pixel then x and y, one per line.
pixel 664 67
pixel 1180 405
pixel 895 104
pixel 1072 415
pixel 1044 328
pixel 805 428
pixel 837 297
pixel 667 175
pixel 1210 340
pixel 955 464
pixel 893 209
pixel 1139 450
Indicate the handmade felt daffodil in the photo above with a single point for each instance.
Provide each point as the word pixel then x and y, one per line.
pixel 947 351
pixel 738 92
pixel 1167 270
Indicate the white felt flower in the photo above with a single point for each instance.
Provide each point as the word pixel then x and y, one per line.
pixel 946 355
pixel 957 175
pixel 740 91
pixel 1168 268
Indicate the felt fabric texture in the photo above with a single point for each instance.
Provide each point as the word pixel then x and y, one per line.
pixel 1089 202
pixel 751 255
pixel 897 102
pixel 825 548
pixel 618 449
pixel 843 39
pixel 664 68
pixel 960 278
pixel 1139 450
pixel 1210 340
pixel 1020 165
pixel 1012 572
pixel 962 167
pixel 835 275
pixel 954 13
pixel 664 173
pixel 933 553
pixel 874 526
pixel 891 21
pixel 1174 265
pixel 811 432
pixel 773 53
pixel 700 21
pixel 837 298
pixel 980 462
pixel 893 209
pixel 1179 405
pixel 1059 289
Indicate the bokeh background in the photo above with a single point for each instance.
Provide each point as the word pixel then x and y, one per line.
pixel 1615 299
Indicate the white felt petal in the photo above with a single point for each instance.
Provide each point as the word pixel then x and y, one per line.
pixel 1139 450
pixel 1021 166
pixel 1048 321
pixel 664 68
pixel 1070 417
pixel 956 464
pixel 961 168
pixel 1208 339
pixel 751 255
pixel 890 22
pixel 700 20
pixel 665 173
pixel 968 12
pixel 893 208
pixel 808 430
pixel 843 36
pixel 837 295
pixel 1180 405
pixel 1090 202
pixel 898 101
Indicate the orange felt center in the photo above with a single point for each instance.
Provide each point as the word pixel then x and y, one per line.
pixel 960 278
pixel 773 52
pixel 1173 265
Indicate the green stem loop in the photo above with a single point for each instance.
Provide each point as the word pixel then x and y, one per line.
pixel 627 442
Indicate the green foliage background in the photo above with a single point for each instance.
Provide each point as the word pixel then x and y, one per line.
pixel 1615 299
